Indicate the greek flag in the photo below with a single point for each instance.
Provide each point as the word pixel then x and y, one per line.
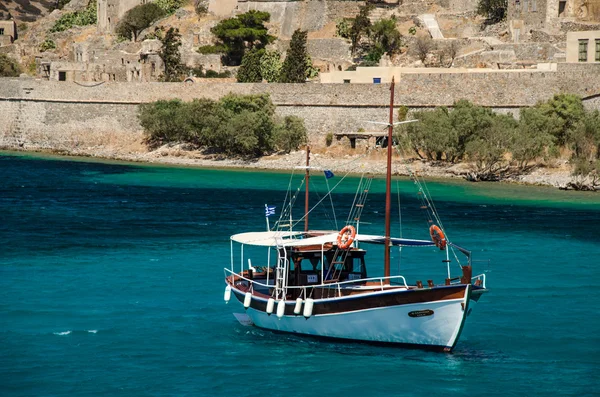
pixel 328 174
pixel 269 211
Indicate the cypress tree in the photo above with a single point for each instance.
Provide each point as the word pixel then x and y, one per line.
pixel 170 55
pixel 250 71
pixel 294 66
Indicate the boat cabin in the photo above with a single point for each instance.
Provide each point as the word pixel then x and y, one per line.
pixel 311 265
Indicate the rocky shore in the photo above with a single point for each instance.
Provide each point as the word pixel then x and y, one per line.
pixel 339 160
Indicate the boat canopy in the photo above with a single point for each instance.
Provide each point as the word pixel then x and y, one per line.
pixel 291 239
pixel 266 239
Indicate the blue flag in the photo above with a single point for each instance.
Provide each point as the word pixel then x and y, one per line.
pixel 269 211
pixel 328 174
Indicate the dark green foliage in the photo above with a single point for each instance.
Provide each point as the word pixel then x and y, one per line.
pixel 584 138
pixel 250 70
pixel 373 56
pixel 61 3
pixel 78 18
pixel 236 35
pixel 487 147
pixel 360 25
pixel 138 19
pixel 270 66
pixel 169 53
pixel 47 45
pixel 386 36
pixel 9 67
pixel 213 74
pixel 533 136
pixel 291 134
pixel 342 28
pixel 208 74
pixel 564 112
pixel 294 68
pixel 163 120
pixel 493 10
pixel 443 135
pixel 235 125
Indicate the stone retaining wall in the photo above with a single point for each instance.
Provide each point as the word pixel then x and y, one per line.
pixel 43 107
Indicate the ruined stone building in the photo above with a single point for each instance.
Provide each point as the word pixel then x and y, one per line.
pixel 8 32
pixel 91 64
pixel 551 16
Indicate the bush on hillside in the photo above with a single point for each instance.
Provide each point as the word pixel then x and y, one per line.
pixel 169 6
pixel 9 67
pixel 236 125
pixel 78 18
pixel 498 145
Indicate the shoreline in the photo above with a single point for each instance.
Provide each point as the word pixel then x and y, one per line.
pixel 372 162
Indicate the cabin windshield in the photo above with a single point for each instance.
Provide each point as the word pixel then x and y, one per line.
pixel 312 267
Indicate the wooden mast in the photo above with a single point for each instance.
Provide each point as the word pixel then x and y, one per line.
pixel 307 178
pixel 388 185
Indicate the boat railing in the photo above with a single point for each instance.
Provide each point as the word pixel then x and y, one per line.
pixel 336 285
pixel 479 280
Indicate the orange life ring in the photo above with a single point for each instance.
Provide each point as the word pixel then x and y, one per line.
pixel 438 237
pixel 346 237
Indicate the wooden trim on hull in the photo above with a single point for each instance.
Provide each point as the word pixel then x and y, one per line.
pixel 379 299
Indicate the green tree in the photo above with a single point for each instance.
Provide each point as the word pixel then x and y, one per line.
pixel 360 25
pixel 163 121
pixel 342 28
pixel 564 112
pixel 429 138
pixel 249 130
pixel 236 35
pixel 138 19
pixel 488 147
pixel 250 70
pixel 170 55
pixel 294 68
pixel 9 67
pixel 584 138
pixel 236 125
pixel 533 136
pixel 290 134
pixel 386 36
pixel 493 10
pixel 270 66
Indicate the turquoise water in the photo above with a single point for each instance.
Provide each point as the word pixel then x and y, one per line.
pixel 111 283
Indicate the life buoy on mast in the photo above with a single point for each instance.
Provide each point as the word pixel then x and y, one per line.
pixel 438 237
pixel 346 237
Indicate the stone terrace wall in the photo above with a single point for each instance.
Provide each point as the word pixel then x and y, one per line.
pixel 44 107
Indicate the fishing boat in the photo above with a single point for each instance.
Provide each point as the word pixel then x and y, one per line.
pixel 315 282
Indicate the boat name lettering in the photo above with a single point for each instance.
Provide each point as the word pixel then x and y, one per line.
pixel 420 313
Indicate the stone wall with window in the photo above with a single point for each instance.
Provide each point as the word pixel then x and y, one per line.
pixel 583 46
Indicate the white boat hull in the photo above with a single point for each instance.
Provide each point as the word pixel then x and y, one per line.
pixel 436 324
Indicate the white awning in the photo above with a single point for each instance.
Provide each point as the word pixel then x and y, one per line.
pixel 267 239
pixel 289 239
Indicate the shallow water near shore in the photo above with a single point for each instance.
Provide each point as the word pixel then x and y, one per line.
pixel 111 283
